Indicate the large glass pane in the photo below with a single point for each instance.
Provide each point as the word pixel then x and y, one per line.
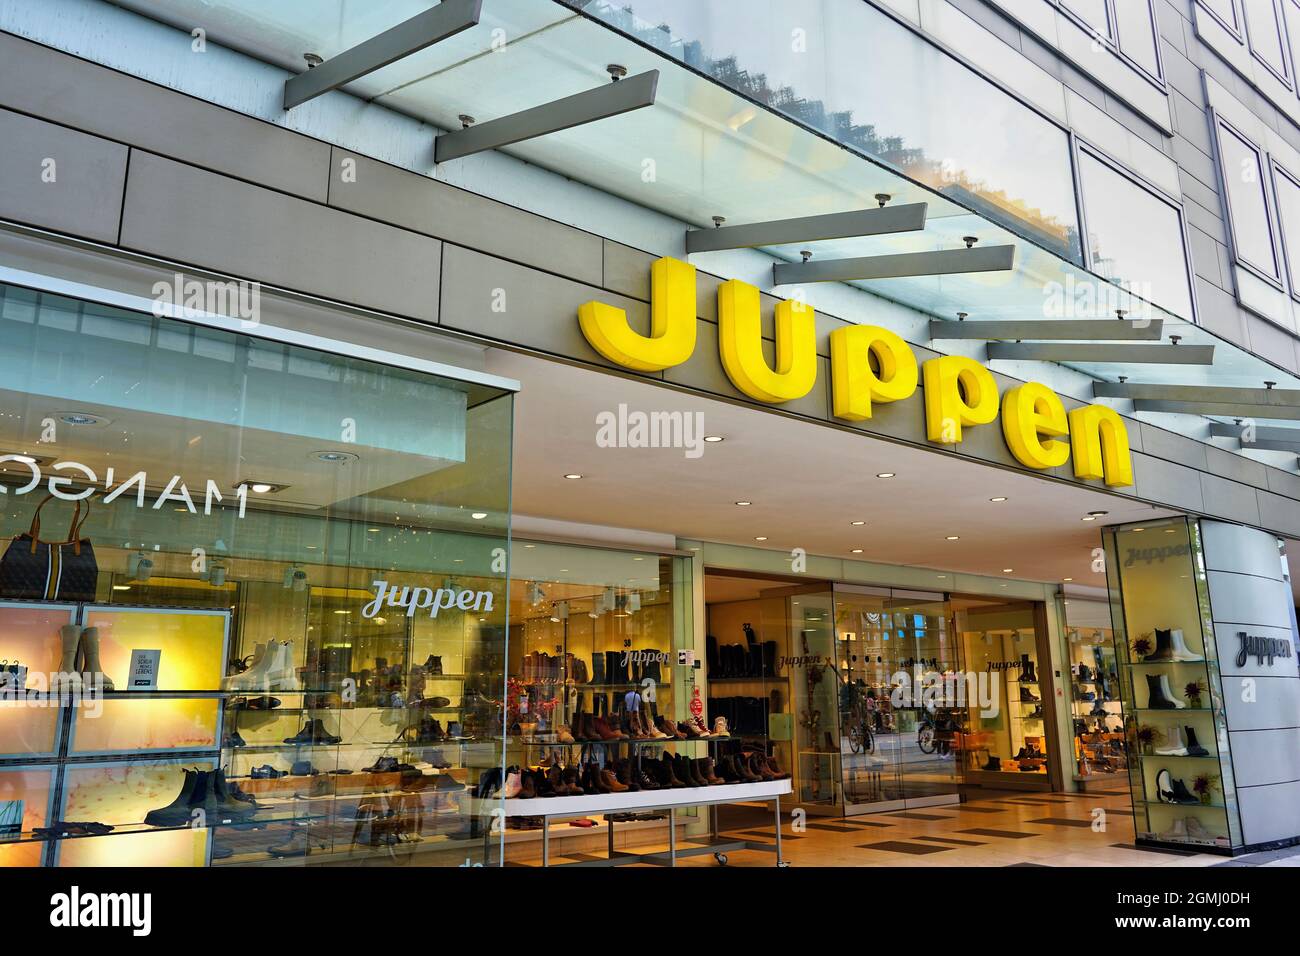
pixel 279 622
pixel 1091 12
pixel 908 103
pixel 1287 190
pixel 1137 33
pixel 1243 179
pixel 1096 713
pixel 1264 33
pixel 1135 239
pixel 1225 10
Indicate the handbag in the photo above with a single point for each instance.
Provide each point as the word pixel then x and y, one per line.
pixel 32 569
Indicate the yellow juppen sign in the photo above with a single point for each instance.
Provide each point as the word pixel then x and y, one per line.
pixel 870 366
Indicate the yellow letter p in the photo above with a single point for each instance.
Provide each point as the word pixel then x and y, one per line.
pixel 958 391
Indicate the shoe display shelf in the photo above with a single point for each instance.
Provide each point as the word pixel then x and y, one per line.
pixel 1171 690
pixel 605 805
pixel 86 765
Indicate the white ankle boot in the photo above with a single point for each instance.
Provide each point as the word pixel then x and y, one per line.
pixel 282 674
pixel 1174 745
pixel 1178 649
pixel 1169 693
pixel 256 673
pixel 720 727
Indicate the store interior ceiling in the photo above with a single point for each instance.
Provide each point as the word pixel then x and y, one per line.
pixel 807 484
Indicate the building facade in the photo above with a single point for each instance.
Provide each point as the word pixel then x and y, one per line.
pixel 499 414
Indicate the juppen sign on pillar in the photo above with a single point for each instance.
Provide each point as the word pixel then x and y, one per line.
pixel 870 366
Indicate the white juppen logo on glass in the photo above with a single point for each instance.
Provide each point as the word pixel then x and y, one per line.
pixel 441 599
pixel 175 491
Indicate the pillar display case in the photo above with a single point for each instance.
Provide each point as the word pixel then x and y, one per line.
pixel 257 594
pixel 1180 770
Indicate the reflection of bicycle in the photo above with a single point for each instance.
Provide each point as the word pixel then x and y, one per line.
pixel 936 733
pixel 860 719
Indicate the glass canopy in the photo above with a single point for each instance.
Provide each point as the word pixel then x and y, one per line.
pixel 702 150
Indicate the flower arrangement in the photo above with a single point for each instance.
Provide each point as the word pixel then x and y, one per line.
pixel 1142 646
pixel 1146 736
pixel 1204 785
pixel 1193 692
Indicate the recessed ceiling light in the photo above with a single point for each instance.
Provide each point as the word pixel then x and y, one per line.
pixel 1007 570
pixel 857 551
pixel 335 457
pixel 260 487
pixel 999 498
pixel 886 474
pixel 1088 518
pixel 479 515
pixel 82 418
pixel 744 504
pixel 530 546
pixel 941 575
pixel 340 612
pixel 373 530
pixel 1098 514
pixel 857 523
pixel 1138 530
pixel 573 477
pixel 761 537
pixel 1067 579
pixel 121 587
pixel 713 438
pixel 953 537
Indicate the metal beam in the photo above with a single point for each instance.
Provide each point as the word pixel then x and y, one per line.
pixel 1089 330
pixel 1143 354
pixel 838 225
pixel 1235 409
pixel 1263 437
pixel 1258 398
pixel 424 29
pixel 943 262
pixel 588 106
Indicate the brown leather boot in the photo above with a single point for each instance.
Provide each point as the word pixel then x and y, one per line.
pixel 777 772
pixel 612 782
pixel 704 765
pixel 758 766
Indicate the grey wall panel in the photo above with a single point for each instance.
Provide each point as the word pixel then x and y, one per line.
pixel 1283 483
pixel 1262 703
pixel 60 179
pixel 1246 599
pixel 1264 757
pixel 1269 813
pixel 179 212
pixel 627 270
pixel 1230 547
pixel 1159 480
pixel 1229 499
pixel 417 202
pixel 540 310
pixel 1226 464
pixel 1279 513
pixel 65 89
pixel 1172 447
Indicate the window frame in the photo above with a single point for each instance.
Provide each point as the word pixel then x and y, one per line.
pixel 1114 43
pixel 1081 148
pixel 1234 28
pixel 1220 124
pixel 1286 78
pixel 1276 169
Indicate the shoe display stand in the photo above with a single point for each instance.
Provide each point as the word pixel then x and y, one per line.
pixel 1100 746
pixel 557 808
pixel 1165 648
pixel 104 758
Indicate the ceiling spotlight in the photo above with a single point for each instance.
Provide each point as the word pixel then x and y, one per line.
pixel 260 487
pixel 1007 570
pixel 999 498
pixel 1067 579
pixel 761 537
pixel 82 418
pixel 857 523
pixel 953 537
pixel 744 504
pixel 885 474
pixel 1098 514
pixel 856 551
pixel 712 438
pixel 1088 518
pixel 1138 530
pixel 573 477
pixel 479 515
pixel 335 457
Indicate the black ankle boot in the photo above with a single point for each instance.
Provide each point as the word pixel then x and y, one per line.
pixel 1156 699
pixel 1164 650
pixel 1194 749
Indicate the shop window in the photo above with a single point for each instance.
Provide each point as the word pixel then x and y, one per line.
pixel 1241 165
pixel 1096 712
pixel 283 598
pixel 1135 236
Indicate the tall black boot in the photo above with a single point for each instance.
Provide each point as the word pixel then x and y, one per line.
pixel 1164 650
pixel 1027 674
pixel 1194 748
pixel 1156 699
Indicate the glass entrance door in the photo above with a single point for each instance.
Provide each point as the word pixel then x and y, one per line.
pixel 897 730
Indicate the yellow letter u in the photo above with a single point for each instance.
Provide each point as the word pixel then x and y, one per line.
pixel 740 343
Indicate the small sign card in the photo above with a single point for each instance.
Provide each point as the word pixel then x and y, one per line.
pixel 144 670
